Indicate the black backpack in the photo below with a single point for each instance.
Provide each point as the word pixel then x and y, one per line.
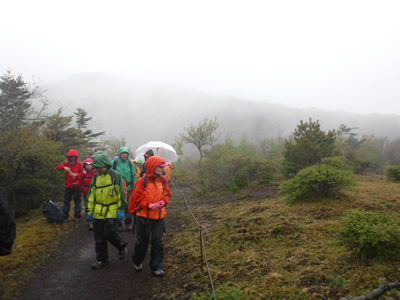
pixel 52 212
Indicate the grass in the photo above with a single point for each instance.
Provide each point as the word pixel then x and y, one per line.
pixel 272 251
pixel 34 243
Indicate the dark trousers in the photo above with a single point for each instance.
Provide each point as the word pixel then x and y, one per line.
pixel 149 230
pixel 106 231
pixel 70 193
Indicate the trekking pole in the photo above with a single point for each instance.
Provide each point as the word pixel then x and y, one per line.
pixel 201 249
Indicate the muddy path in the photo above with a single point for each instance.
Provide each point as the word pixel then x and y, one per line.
pixel 67 274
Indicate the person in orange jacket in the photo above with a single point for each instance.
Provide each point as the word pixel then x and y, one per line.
pixel 148 200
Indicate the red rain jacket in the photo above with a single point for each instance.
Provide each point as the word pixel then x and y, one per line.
pixel 76 168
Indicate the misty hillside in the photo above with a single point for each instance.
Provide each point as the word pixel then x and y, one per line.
pixel 141 112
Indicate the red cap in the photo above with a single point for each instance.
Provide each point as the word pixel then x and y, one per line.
pixel 88 161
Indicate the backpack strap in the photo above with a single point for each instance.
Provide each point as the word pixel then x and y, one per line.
pixel 112 174
pixel 145 183
pixel 115 164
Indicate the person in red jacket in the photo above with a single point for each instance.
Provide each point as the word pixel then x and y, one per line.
pixel 87 176
pixel 149 199
pixel 73 169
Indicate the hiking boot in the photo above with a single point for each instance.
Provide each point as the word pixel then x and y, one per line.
pixel 159 273
pixel 123 253
pixel 138 268
pixel 99 265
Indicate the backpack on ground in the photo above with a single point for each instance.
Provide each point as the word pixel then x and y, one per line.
pixel 52 212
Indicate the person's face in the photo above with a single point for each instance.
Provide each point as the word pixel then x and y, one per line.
pixel 158 171
pixel 72 158
pixel 88 167
pixel 101 170
pixel 124 155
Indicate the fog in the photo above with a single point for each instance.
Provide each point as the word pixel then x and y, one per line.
pixel 259 66
pixel 140 112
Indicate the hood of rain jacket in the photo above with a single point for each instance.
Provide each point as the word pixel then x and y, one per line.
pixel 151 164
pixel 72 152
pixel 123 149
pixel 102 161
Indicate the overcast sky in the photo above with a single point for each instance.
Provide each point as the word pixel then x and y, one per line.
pixel 335 55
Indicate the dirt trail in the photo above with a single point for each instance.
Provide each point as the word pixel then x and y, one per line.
pixel 67 273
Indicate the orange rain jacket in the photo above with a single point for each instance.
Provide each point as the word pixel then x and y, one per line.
pixel 155 192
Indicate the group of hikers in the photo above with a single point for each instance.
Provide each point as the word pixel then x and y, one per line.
pixel 120 194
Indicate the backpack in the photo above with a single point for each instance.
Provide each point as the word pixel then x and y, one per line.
pixel 52 212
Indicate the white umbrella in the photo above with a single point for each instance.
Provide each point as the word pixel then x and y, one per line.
pixel 163 150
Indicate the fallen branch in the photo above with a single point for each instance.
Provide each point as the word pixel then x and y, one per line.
pixel 378 292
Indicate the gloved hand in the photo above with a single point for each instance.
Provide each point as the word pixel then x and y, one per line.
pixel 120 215
pixel 90 217
pixel 154 206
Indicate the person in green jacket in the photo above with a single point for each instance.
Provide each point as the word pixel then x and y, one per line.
pixel 106 206
pixel 123 165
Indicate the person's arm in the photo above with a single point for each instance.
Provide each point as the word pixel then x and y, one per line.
pixel 91 197
pixel 136 195
pixel 61 166
pixel 133 174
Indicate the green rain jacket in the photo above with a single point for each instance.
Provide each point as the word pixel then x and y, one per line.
pixel 127 169
pixel 104 203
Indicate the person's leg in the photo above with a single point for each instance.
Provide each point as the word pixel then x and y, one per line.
pixel 101 240
pixel 110 227
pixel 128 215
pixel 142 240
pixel 157 245
pixel 78 203
pixel 68 193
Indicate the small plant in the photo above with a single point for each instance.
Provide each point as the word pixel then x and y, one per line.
pixel 369 234
pixel 393 173
pixel 223 293
pixel 321 180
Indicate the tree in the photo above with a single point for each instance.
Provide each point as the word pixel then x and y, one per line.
pixel 309 146
pixel 82 118
pixel 27 160
pixel 58 129
pixel 15 101
pixel 201 135
pixel 111 144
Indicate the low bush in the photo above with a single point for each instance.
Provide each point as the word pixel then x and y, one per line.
pixel 328 178
pixel 393 173
pixel 369 234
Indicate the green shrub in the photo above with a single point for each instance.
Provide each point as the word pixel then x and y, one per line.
pixel 329 177
pixel 369 234
pixel 393 173
pixel 223 293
